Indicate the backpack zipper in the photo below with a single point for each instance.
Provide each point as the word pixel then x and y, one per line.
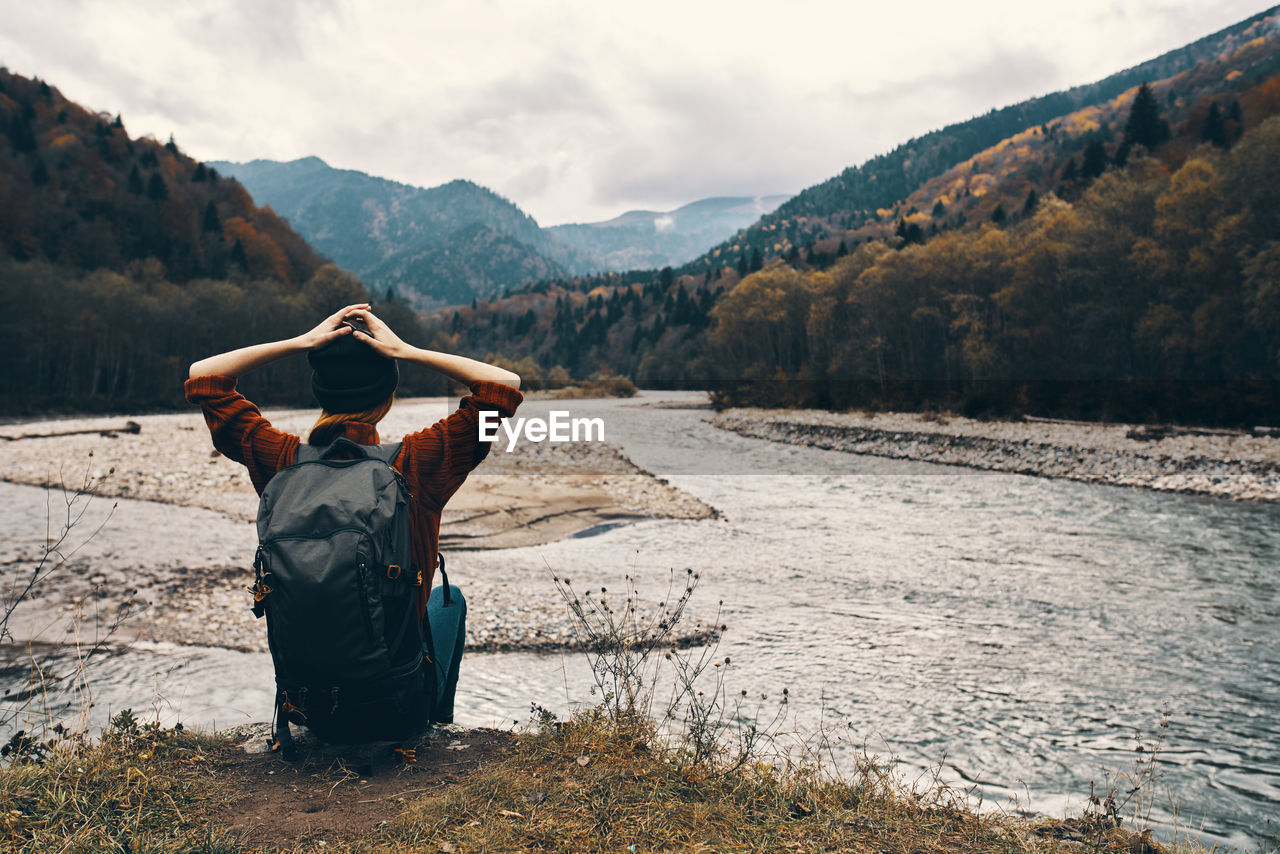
pixel 363 575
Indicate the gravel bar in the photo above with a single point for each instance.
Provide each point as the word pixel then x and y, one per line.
pixel 1238 466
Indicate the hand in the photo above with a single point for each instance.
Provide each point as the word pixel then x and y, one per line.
pixel 330 328
pixel 382 338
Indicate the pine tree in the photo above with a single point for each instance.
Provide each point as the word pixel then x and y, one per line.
pixel 200 174
pixel 1095 160
pixel 21 136
pixel 135 181
pixel 1032 202
pixel 40 175
pixel 211 220
pixel 156 187
pixel 757 262
pixel 1145 126
pixel 238 257
pixel 998 215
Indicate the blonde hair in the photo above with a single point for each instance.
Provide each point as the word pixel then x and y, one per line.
pixel 329 425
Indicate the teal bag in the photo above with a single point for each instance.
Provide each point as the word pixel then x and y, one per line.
pixel 442 645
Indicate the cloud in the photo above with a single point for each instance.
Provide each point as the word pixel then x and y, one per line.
pixel 577 110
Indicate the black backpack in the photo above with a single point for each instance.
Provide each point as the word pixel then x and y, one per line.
pixel 335 580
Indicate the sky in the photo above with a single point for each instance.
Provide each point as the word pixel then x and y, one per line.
pixel 579 111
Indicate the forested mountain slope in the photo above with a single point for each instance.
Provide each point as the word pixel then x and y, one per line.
pixel 444 245
pixel 130 260
pixel 75 189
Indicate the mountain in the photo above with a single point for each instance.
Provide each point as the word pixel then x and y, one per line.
pixel 855 196
pixel 123 261
pixel 445 245
pixel 654 239
pixel 76 190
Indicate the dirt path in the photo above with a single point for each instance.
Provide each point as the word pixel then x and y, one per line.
pixel 331 794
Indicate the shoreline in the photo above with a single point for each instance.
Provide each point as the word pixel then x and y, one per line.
pixel 1235 467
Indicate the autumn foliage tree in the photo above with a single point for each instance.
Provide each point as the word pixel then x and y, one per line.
pixel 1153 297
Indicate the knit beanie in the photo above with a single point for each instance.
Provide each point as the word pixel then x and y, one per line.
pixel 347 375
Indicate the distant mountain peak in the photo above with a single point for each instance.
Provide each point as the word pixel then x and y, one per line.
pixel 410 239
pixel 640 239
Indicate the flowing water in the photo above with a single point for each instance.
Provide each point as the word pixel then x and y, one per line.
pixel 1019 634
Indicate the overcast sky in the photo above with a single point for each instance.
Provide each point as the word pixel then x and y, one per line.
pixel 578 111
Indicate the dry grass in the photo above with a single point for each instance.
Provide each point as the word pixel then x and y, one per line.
pixel 598 385
pixel 589 784
pixel 593 784
pixel 139 789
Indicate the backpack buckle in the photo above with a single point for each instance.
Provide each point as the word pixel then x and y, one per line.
pixel 394 576
pixel 260 590
pixel 287 708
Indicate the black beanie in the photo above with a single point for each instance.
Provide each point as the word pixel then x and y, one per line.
pixel 347 375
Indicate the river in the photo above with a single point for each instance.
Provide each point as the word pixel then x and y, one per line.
pixel 1023 635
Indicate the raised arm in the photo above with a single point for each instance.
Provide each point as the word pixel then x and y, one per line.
pixel 237 363
pixel 458 368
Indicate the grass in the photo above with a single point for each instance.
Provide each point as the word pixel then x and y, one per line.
pixel 139 789
pixel 592 783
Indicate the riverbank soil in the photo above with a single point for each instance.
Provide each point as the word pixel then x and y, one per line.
pixel 335 795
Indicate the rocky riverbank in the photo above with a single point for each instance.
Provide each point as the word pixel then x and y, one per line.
pixel 1222 464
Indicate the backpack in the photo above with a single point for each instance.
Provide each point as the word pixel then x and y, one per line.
pixel 335 581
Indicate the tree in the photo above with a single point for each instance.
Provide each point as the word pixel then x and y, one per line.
pixel 998 215
pixel 21 136
pixel 1215 130
pixel 211 220
pixel 156 187
pixel 1145 126
pixel 40 175
pixel 1032 202
pixel 238 256
pixel 200 174
pixel 1095 160
pixel 135 181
